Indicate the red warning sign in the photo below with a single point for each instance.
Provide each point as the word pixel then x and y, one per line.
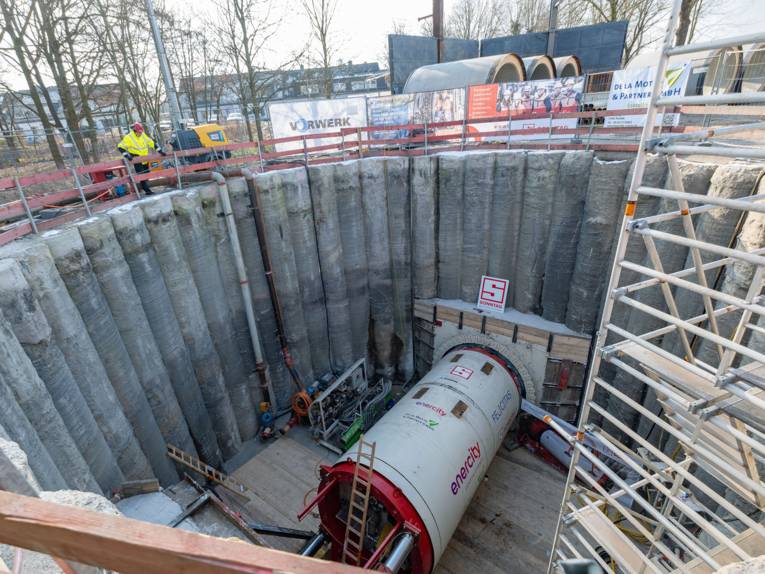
pixel 493 293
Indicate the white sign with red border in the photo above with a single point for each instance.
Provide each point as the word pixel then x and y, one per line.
pixel 462 372
pixel 493 293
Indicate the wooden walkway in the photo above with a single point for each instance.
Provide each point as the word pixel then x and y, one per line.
pixel 508 527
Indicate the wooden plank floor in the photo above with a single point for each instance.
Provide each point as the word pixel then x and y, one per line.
pixel 508 527
pixel 280 478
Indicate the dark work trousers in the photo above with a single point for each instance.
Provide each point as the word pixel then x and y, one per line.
pixel 143 168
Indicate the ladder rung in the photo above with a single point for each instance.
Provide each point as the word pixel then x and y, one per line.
pixel 354 519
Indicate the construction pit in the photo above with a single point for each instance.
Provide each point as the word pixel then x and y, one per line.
pixel 219 319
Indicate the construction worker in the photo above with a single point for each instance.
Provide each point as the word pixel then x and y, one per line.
pixel 136 144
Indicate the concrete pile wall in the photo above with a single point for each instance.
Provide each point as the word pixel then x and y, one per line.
pixel 127 331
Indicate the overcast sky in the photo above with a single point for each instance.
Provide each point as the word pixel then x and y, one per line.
pixel 362 25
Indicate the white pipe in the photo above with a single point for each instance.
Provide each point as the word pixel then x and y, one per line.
pixel 669 329
pixel 713 100
pixel 707 133
pixel 723 151
pixel 747 205
pixel 682 273
pixel 719 295
pixel 651 383
pixel 669 215
pixel 663 353
pixel 717 339
pixel 710 247
pixel 754 38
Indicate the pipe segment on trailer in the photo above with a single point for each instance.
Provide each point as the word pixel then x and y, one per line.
pixel 453 422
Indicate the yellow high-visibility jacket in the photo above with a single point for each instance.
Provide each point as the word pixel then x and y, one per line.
pixel 136 145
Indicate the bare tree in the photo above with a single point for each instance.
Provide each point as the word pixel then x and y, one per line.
pixel 643 17
pixel 529 16
pixel 426 26
pixel 125 41
pixel 16 22
pixel 246 28
pixel 476 19
pixel 8 123
pixel 397 28
pixel 320 15
pixel 690 12
pixel 58 28
pixel 185 45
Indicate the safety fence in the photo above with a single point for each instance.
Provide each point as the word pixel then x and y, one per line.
pixel 45 200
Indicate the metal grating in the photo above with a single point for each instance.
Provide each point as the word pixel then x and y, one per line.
pixel 676 487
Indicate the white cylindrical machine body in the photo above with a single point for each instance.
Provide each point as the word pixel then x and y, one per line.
pixel 437 442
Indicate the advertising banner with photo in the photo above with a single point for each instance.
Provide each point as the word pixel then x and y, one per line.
pixel 440 106
pixel 390 111
pixel 309 117
pixel 420 108
pixel 631 89
pixel 520 100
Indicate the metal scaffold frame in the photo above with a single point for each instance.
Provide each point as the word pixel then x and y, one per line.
pixel 690 500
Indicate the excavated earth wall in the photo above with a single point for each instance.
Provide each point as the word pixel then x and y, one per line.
pixel 126 331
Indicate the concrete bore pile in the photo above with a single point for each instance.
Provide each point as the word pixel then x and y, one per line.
pixel 127 331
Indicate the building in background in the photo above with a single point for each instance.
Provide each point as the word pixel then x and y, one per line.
pixel 109 107
pixel 218 98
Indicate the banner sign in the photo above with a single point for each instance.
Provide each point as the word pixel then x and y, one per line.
pixel 309 117
pixel 493 293
pixel 440 106
pixel 512 100
pixel 419 108
pixel 631 89
pixel 390 111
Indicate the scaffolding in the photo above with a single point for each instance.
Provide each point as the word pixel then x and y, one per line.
pixel 675 431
